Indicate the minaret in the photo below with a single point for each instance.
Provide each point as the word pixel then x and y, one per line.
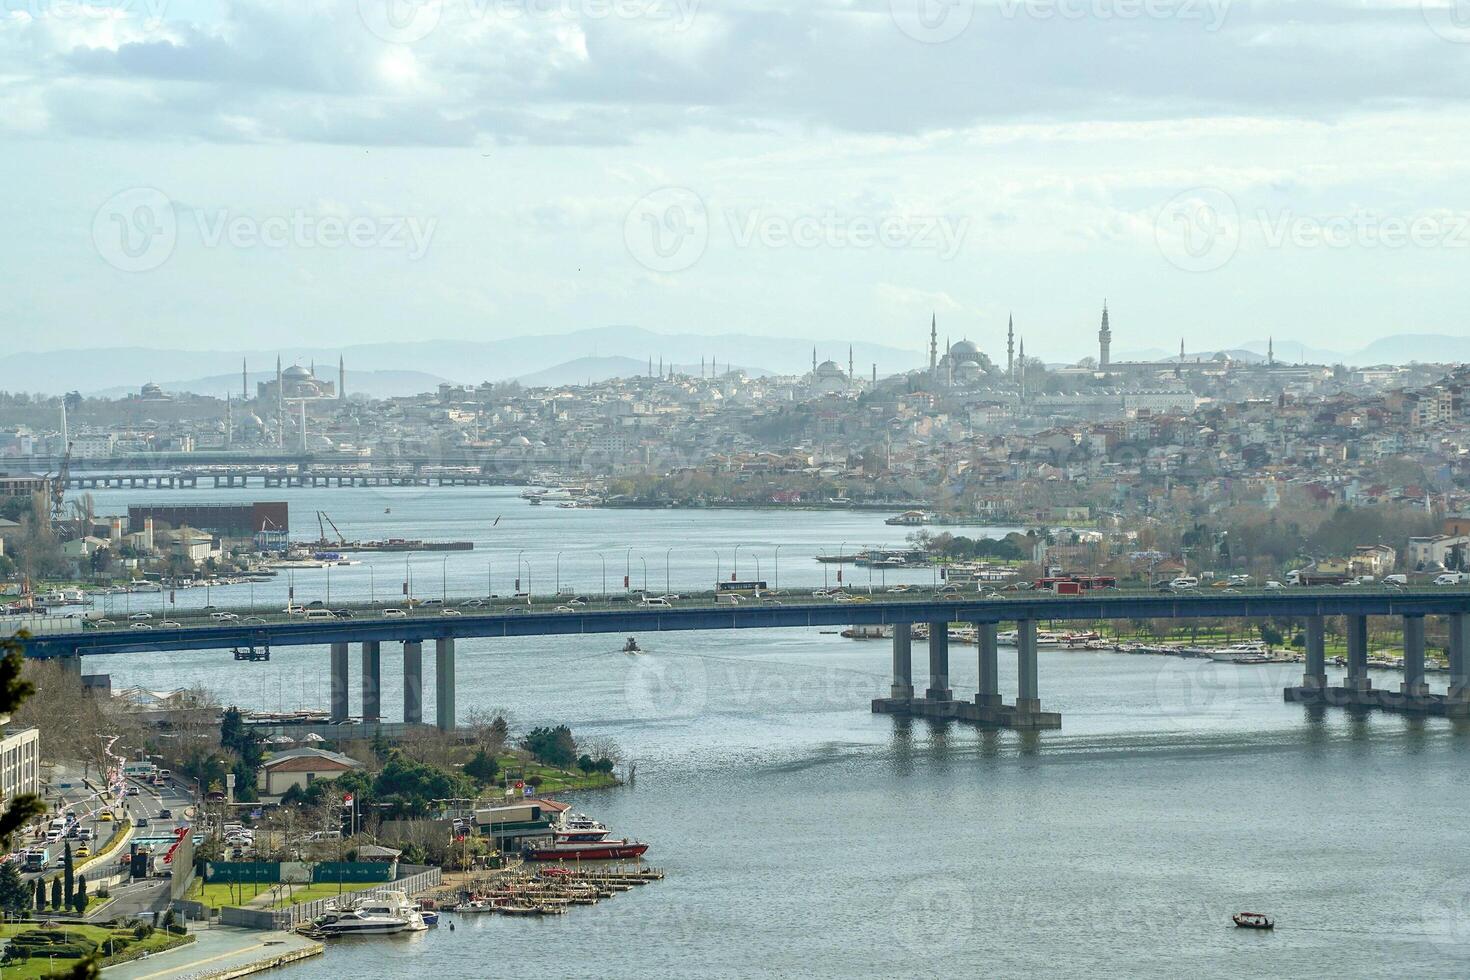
pixel 244 380
pixel 1104 341
pixel 851 377
pixel 1179 368
pixel 341 379
pixel 1011 347
pixel 933 343
pixel 1270 351
pixel 814 362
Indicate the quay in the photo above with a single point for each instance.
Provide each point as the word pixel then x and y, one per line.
pixel 221 953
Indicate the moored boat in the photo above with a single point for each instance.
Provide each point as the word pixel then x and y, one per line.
pixel 599 850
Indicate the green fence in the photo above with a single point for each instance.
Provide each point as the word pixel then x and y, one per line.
pixel 350 871
pixel 268 872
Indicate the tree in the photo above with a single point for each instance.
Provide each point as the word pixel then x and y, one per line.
pixel 483 768
pixel 15 893
pixel 14 689
pixel 553 746
pixel 82 889
pixel 40 894
pixel 56 894
pixel 68 874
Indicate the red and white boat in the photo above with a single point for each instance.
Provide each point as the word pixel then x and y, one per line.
pixel 594 850
pixel 579 827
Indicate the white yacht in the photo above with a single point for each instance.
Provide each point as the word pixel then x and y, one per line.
pixel 382 915
pixel 1249 651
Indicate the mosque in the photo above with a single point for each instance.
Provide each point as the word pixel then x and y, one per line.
pixel 963 363
pixel 297 383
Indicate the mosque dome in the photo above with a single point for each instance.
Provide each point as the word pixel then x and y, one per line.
pixel 964 348
pixel 296 373
pixel 151 390
pixel 520 442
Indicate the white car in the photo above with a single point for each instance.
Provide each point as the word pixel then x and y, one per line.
pixel 223 617
pixel 141 616
pixel 661 601
pixel 141 626
pixel 394 614
pixel 1451 578
pixel 1273 585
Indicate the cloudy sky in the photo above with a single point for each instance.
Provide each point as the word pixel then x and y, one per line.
pixel 203 174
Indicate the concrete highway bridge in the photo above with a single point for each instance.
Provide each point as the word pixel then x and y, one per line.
pixel 444 624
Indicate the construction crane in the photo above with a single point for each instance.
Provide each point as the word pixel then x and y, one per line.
pixel 321 515
pixel 58 487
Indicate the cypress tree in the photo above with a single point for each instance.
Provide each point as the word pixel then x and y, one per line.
pixel 40 895
pixel 68 874
pixel 56 894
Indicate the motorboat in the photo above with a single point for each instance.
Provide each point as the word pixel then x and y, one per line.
pixel 386 914
pixel 632 645
pixel 580 827
pixel 1247 651
pixel 1252 920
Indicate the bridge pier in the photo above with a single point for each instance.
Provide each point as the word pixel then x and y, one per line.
pixel 444 684
pixel 988 702
pixel 413 682
pixel 1315 677
pixel 939 689
pixel 1413 685
pixel 903 663
pixel 1357 643
pixel 1028 699
pixel 340 704
pixel 1459 663
pixel 372 681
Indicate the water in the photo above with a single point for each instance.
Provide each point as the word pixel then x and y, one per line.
pixel 804 836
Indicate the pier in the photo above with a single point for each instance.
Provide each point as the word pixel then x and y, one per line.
pixel 1357 691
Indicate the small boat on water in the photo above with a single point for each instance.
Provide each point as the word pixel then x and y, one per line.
pixel 632 645
pixel 1252 920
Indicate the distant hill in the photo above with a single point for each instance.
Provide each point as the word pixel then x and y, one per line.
pixel 597 369
pixel 460 361
pixel 374 384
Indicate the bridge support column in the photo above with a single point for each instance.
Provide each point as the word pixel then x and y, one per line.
pixel 339 683
pixel 1028 698
pixel 1316 673
pixel 988 699
pixel 444 684
pixel 1413 685
pixel 903 662
pixel 1459 663
pixel 939 663
pixel 1357 644
pixel 413 682
pixel 372 681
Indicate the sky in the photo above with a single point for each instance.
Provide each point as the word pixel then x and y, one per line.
pixel 216 174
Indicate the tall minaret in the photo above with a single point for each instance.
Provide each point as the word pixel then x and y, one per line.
pixel 851 378
pixel 933 343
pixel 1270 351
pixel 814 362
pixel 341 379
pixel 1011 347
pixel 1104 341
pixel 1179 368
pixel 244 380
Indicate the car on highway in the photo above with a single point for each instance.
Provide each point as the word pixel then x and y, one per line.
pixel 82 851
pixel 140 822
pixel 451 612
pixel 141 626
pixel 254 621
pixel 472 604
pixel 394 614
pixel 141 616
pixel 105 816
pixel 169 624
pixel 165 814
pixel 344 614
pixel 224 617
pixel 432 602
pixel 98 624
pixel 133 791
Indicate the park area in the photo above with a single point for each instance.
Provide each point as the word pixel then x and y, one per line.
pixel 38 949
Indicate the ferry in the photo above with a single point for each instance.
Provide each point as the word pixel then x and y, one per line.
pixel 599 850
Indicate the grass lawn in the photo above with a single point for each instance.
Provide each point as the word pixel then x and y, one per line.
pixel 221 894
pixel 41 966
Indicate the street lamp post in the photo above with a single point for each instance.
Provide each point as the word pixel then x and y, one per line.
pixel 372 587
pixel 558 573
pixel 841 562
pixel 628 570
pixel 329 586
pixel 777 585
pixel 603 559
pixel 717 567
pixel 518 568
pixel 667 588
pixel 645 573
pixel 444 581
pixel 735 569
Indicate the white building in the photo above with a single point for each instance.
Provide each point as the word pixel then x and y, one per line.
pixel 20 761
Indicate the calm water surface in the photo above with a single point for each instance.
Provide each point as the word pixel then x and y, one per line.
pixel 804 836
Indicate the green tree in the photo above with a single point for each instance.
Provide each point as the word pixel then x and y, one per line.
pixel 483 768
pixel 82 889
pixel 68 874
pixel 56 894
pixel 15 893
pixel 40 894
pixel 553 746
